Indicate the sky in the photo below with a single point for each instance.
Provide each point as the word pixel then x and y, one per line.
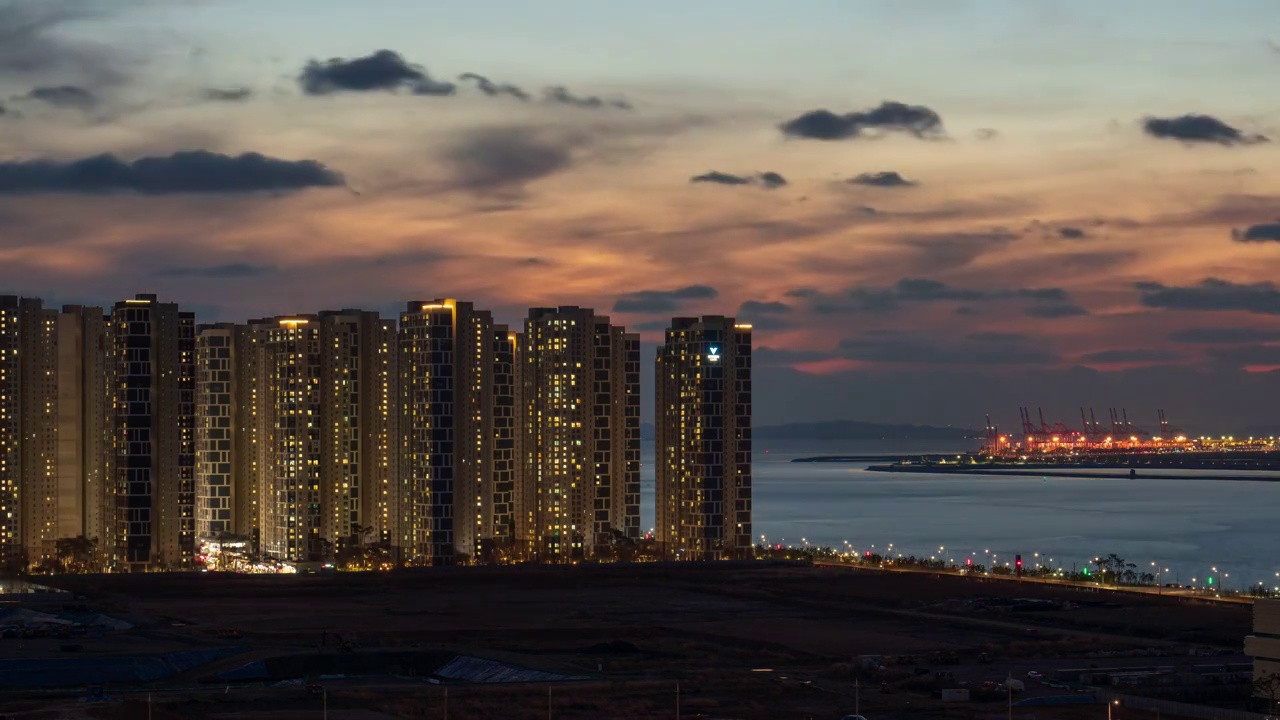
pixel 930 211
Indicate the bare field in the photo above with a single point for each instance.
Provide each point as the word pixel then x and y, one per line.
pixel 636 630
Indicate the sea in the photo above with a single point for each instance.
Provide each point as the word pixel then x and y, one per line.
pixel 1182 531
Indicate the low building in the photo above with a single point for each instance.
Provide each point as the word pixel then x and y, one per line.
pixel 1264 647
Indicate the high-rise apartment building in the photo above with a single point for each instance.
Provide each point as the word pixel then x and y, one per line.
pixel 28 430
pixel 580 396
pixel 154 358
pixel 703 413
pixel 328 423
pixel 458 411
pixel 86 435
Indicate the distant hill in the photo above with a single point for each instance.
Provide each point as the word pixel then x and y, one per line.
pixel 847 430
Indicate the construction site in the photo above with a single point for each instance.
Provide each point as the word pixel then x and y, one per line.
pixel 1116 437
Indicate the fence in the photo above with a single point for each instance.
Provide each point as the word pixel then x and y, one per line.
pixel 1177 709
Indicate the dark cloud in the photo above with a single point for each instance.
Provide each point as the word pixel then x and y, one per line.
pixel 1246 355
pixel 890 116
pixel 947 251
pixel 64 96
pixel 1059 310
pixel 650 326
pixel 1213 294
pixel 780 357
pixel 385 70
pixel 228 271
pixel 561 95
pixel 766 315
pixel 888 179
pixel 1129 355
pixel 492 89
pixel 1198 129
pixel 31 44
pixel 758 307
pixel 1072 233
pixel 1225 335
pixel 233 94
pixel 502 158
pixel 766 180
pixel 196 171
pixel 1266 232
pixel 920 290
pixel 646 301
pixel 992 349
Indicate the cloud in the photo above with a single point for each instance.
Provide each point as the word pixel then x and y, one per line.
pixel 64 96
pixel 31 44
pixel 1266 232
pixel 997 349
pixel 947 251
pixel 890 116
pixel 889 179
pixel 1072 233
pixel 1213 294
pixel 497 158
pixel 647 301
pixel 920 290
pixel 757 307
pixel 233 94
pixel 492 89
pixel 1192 128
pixel 1129 355
pixel 1051 312
pixel 766 315
pixel 385 70
pixel 1246 355
pixel 561 95
pixel 766 180
pixel 1225 335
pixel 228 271
pixel 196 171
pixel 986 133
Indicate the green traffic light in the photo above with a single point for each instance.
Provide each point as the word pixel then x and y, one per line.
pixel 1210 581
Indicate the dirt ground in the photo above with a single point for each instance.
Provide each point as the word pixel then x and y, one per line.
pixel 751 641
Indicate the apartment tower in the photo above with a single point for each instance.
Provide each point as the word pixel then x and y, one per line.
pixel 328 424
pixel 154 358
pixel 580 397
pixel 458 413
pixel 86 435
pixel 703 449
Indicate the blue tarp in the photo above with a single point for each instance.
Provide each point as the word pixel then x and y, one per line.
pixel 478 670
pixel 54 672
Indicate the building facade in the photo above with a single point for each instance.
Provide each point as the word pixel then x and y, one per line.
pixel 86 446
pixel 28 431
pixel 579 387
pixel 1264 647
pixel 703 448
pixel 457 405
pixel 318 396
pixel 154 359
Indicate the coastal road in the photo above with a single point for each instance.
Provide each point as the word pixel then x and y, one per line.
pixel 1163 592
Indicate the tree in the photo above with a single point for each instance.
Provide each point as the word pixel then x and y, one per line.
pixel 76 555
pixel 1268 686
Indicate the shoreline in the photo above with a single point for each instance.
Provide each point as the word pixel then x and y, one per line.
pixel 1122 473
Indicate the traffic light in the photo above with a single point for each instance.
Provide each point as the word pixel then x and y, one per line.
pixel 968 562
pixel 1210 580
pixel 868 553
pixel 1017 561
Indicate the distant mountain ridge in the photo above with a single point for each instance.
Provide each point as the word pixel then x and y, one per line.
pixel 847 430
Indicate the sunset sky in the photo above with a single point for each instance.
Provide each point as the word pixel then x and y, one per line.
pixel 930 210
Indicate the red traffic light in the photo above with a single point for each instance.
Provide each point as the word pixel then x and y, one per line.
pixel 968 562
pixel 1018 561
pixel 868 553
